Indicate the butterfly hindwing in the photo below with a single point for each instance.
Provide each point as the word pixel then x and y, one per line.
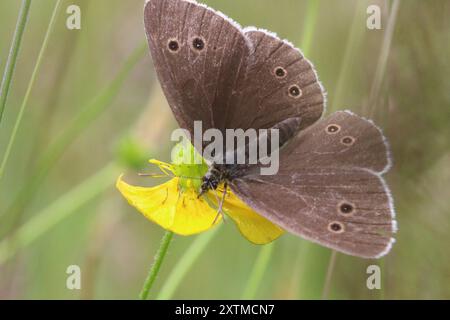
pixel 341 140
pixel 333 193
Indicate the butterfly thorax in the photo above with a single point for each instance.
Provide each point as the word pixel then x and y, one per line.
pixel 216 175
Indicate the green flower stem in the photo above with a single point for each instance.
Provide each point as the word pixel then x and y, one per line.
pixel 59 210
pixel 13 53
pixel 258 271
pixel 154 270
pixel 185 264
pixel 30 87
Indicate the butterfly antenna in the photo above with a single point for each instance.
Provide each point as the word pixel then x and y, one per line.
pixel 154 175
pixel 192 178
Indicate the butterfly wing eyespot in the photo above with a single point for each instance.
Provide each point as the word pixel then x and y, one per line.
pixel 336 227
pixel 333 129
pixel 280 72
pixel 295 91
pixel 307 207
pixel 348 140
pixel 346 208
pixel 198 43
pixel 173 45
pixel 199 84
pixel 278 65
pixel 221 84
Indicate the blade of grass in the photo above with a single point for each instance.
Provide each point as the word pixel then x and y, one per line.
pixel 375 90
pixel 30 87
pixel 258 271
pixel 305 253
pixel 185 264
pixel 309 26
pixel 379 75
pixel 305 46
pixel 154 270
pixel 65 62
pixel 316 260
pixel 56 149
pixel 382 291
pixel 13 53
pixel 59 210
pixel 383 58
pixel 357 29
pixel 91 111
pixel 327 285
pixel 313 260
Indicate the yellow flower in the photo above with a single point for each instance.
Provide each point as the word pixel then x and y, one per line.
pixel 175 205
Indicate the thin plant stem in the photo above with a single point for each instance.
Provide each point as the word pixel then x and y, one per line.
pixel 92 110
pixel 59 210
pixel 258 271
pixel 309 26
pixel 311 16
pixel 379 75
pixel 330 270
pixel 305 46
pixel 185 264
pixel 382 294
pixel 356 31
pixel 314 261
pixel 64 61
pixel 312 257
pixel 102 230
pixel 30 87
pixel 383 58
pixel 154 270
pixel 13 53
pixel 56 149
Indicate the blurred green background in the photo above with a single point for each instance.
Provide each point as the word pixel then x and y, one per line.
pixel 96 110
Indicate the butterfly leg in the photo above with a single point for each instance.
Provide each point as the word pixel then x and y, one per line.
pixel 220 208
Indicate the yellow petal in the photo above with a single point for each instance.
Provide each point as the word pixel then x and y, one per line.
pixel 253 226
pixel 180 212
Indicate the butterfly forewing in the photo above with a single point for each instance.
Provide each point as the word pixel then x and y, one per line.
pixel 280 83
pixel 198 56
pixel 213 71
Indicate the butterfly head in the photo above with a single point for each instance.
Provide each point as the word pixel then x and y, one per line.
pixel 211 180
pixel 216 175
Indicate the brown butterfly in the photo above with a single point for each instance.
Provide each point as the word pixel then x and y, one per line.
pixel 329 188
